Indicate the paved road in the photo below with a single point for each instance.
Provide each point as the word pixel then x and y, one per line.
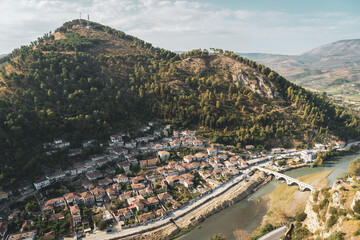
pixel 99 235
pixel 352 144
pixel 276 234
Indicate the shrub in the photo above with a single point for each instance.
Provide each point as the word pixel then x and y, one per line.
pixel 354 167
pixel 32 206
pixel 333 211
pixel 357 206
pixel 300 217
pixel 267 228
pixel 300 233
pixel 217 237
pixel 316 196
pixel 315 208
pixel 331 221
pixel 298 224
pixel 337 236
pixel 342 212
pixel 357 232
pixel 323 203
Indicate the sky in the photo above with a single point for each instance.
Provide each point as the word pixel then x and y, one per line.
pixel 268 26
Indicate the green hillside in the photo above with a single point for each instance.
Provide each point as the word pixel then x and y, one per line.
pixel 88 81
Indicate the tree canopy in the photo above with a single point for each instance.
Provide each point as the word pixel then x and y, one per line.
pixel 354 167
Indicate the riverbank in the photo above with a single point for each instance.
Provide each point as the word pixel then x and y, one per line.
pixel 284 202
pixel 247 215
pixel 185 223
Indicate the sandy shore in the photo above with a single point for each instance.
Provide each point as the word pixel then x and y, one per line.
pixel 286 201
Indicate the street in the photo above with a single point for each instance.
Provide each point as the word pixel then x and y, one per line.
pixel 275 234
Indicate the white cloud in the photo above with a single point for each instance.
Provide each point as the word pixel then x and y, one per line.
pixel 178 25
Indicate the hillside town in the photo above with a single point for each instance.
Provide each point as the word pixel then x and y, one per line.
pixel 141 177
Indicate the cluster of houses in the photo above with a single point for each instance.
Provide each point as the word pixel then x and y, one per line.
pixel 147 196
pixel 147 191
pixel 119 150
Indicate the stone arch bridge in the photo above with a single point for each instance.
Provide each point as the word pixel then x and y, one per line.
pixel 289 180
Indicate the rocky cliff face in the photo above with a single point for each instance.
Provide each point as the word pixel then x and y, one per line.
pixel 227 69
pixel 331 210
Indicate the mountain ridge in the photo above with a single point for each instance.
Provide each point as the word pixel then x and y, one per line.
pixel 333 68
pixel 346 49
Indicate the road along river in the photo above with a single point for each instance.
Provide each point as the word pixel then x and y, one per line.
pixel 247 214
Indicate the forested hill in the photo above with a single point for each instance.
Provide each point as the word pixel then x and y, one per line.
pixel 87 80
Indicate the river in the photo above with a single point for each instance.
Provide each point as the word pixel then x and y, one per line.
pixel 248 213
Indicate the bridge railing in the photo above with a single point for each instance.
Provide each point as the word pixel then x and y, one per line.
pixel 287 178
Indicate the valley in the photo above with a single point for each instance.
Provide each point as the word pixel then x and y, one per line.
pixel 103 135
pixel 333 68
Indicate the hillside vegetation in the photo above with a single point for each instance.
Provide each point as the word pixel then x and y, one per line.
pixel 86 82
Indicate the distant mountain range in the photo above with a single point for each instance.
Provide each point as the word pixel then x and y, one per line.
pixel 1 55
pixel 333 68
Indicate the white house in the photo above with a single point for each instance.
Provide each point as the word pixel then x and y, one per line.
pixel 24 236
pixel 124 165
pixel 340 144
pixel 41 184
pixel 164 155
pixel 144 128
pixel 3 195
pixel 201 156
pixel 117 138
pixel 80 168
pixel 119 151
pixel 175 143
pixel 320 146
pixel 212 151
pixel 308 156
pixel 189 158
pixel 98 157
pixel 121 178
pixel 74 152
pixel 56 176
pixel 59 143
pixel 197 143
pixel 188 133
pixel 88 143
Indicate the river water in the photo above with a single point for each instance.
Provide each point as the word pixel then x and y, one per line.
pixel 247 214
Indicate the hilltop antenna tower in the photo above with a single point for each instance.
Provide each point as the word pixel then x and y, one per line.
pixel 88 22
pixel 80 15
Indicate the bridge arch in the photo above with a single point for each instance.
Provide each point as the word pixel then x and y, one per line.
pixel 289 180
pixel 304 188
